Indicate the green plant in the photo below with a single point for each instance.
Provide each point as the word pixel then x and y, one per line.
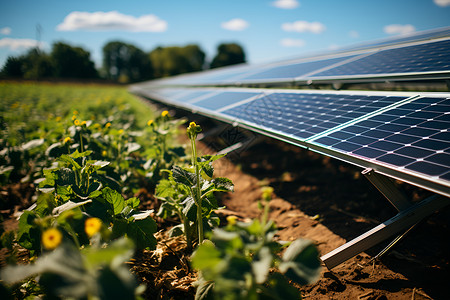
pixel 78 183
pixel 241 261
pixel 189 192
pixel 66 271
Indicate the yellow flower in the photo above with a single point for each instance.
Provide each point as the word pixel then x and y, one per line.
pixel 51 238
pixel 75 112
pixel 150 122
pixel 76 122
pixel 83 123
pixel 165 113
pixel 58 119
pixel 267 193
pixel 121 131
pixel 67 140
pixel 107 125
pixel 231 220
pixel 104 153
pixel 92 226
pixel 74 118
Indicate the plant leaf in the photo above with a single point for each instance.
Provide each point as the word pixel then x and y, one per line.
pixel 301 262
pixel 184 177
pixel 141 232
pixel 261 265
pixel 67 206
pixel 116 199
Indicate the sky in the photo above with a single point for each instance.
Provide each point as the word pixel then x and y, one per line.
pixel 268 30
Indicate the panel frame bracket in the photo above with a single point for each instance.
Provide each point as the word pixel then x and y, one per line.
pixel 408 216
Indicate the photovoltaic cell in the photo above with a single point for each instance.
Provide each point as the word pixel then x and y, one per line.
pixel 290 71
pixel 414 136
pixel 429 57
pixel 223 99
pixel 304 115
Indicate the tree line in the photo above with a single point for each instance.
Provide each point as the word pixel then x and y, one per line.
pixel 122 62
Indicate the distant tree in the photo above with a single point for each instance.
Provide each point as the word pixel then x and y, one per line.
pixel 14 67
pixel 125 62
pixel 72 62
pixel 169 61
pixel 37 64
pixel 228 54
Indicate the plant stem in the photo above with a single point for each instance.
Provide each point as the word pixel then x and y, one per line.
pixel 197 192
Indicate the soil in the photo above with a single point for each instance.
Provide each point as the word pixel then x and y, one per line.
pixel 316 198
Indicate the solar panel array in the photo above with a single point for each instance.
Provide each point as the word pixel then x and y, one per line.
pixel 402 135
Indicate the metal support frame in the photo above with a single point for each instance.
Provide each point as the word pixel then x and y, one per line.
pixel 409 214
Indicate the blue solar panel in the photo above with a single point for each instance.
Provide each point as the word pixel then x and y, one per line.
pixel 224 99
pixel 429 57
pixel 303 115
pixel 290 70
pixel 414 137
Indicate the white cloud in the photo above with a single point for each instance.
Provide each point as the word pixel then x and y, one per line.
pixel 442 3
pixel 353 34
pixel 399 29
pixel 112 20
pixel 304 26
pixel 287 42
pixel 16 44
pixel 235 25
pixel 5 31
pixel 286 4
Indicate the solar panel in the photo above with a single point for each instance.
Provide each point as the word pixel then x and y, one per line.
pixel 429 57
pixel 303 115
pixel 412 137
pixel 224 99
pixel 288 71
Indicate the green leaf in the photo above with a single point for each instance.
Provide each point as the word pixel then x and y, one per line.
pixel 190 209
pixel 116 199
pixel 206 256
pixel 68 206
pixel 301 262
pixel 33 144
pixel 64 261
pixel 261 265
pixel 184 177
pixel 100 164
pixel 69 160
pixel 132 202
pixel 141 232
pixel 223 184
pixel 280 289
pixel 204 289
pixel 131 147
pixel 28 235
pixel 77 154
pixel 65 176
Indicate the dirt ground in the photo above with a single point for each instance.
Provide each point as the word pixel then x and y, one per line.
pixel 317 198
pixel 329 202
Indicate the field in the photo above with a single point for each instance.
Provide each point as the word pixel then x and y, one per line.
pixel 126 191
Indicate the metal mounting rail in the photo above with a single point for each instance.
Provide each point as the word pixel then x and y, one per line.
pixel 409 214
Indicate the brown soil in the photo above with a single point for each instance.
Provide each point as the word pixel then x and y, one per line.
pixel 316 198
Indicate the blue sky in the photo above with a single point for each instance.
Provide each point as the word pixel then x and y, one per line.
pixel 268 30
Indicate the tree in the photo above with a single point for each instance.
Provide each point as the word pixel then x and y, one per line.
pixel 125 62
pixel 169 61
pixel 14 67
pixel 228 54
pixel 72 62
pixel 37 64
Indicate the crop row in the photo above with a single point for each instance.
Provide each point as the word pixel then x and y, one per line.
pixel 87 150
